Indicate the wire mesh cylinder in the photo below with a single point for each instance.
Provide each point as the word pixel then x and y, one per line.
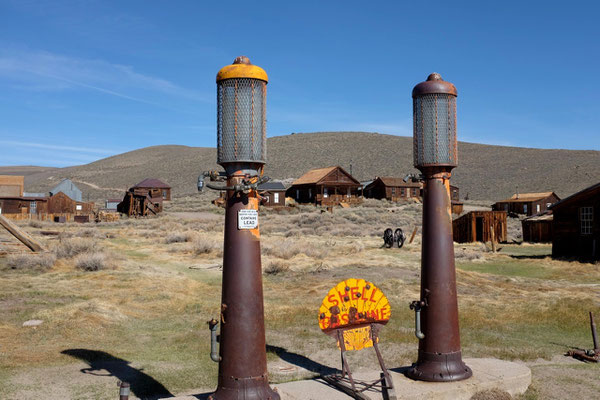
pixel 434 123
pixel 241 121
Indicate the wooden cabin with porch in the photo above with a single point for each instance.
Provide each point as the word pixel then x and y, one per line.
pixel 576 225
pixel 326 187
pixel 527 203
pixel 393 189
pixel 477 226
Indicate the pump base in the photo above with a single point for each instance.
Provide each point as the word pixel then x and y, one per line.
pixel 247 388
pixel 439 367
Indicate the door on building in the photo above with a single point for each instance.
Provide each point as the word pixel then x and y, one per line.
pixel 479 229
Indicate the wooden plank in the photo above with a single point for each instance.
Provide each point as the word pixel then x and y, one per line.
pixel 19 234
pixel 412 237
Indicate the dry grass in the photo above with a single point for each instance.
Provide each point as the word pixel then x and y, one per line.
pixel 92 261
pixel 31 262
pixel 68 248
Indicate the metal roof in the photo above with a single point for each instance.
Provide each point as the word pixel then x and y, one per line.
pixel 152 183
pixel 272 186
pixel 525 197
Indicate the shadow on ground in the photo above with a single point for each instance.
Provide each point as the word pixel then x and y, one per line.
pixel 142 385
pixel 301 361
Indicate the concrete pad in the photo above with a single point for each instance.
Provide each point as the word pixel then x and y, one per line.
pixel 488 374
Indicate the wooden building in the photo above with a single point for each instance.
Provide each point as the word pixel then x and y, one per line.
pixel 23 205
pixel 576 225
pixel 67 187
pixel 457 205
pixel 60 203
pixel 139 203
pixel 155 187
pixel 527 203
pixel 476 226
pixel 538 228
pixel 12 185
pixel 327 187
pixel 393 189
pixel 273 194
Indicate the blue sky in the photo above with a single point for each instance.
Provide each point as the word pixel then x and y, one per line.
pixel 83 80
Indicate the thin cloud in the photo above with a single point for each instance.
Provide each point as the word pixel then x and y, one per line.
pixel 91 150
pixel 33 68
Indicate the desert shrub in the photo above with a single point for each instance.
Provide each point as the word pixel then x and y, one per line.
pixel 91 261
pixel 35 224
pixel 205 246
pixel 33 262
pixel 90 233
pixel 276 267
pixel 469 254
pixel 71 247
pixel 178 237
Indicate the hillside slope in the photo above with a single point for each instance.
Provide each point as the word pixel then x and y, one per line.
pixel 485 172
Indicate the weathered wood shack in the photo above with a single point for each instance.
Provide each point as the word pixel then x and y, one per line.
pixel 477 226
pixel 527 203
pixel 273 194
pixel 393 189
pixel 23 205
pixel 60 203
pixel 139 203
pixel 327 187
pixel 538 228
pixel 576 225
pixel 155 187
pixel 11 185
pixel 457 205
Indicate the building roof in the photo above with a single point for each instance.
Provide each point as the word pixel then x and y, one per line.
pixel 395 181
pixel 315 175
pixel 272 186
pixel 574 196
pixel 542 216
pixel 152 183
pixel 526 197
pixel 114 200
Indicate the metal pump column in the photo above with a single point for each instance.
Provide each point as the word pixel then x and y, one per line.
pixel 241 142
pixel 435 155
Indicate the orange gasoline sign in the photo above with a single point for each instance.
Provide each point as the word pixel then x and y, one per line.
pixel 352 306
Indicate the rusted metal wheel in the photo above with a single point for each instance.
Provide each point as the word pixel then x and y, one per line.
pixel 388 238
pixel 399 237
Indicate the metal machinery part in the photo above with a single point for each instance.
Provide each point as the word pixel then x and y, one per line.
pixel 435 155
pixel 241 141
pixel 399 237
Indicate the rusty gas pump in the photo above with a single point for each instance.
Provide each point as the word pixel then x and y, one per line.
pixel 436 312
pixel 241 151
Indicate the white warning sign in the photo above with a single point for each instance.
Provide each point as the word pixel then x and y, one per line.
pixel 247 219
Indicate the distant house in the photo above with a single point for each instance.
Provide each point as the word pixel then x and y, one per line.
pixel 67 187
pixel 326 186
pixel 156 188
pixel 111 204
pixel 477 226
pixel 576 225
pixel 457 205
pixel 393 189
pixel 527 203
pixel 273 194
pixel 23 205
pixel 538 228
pixel 61 203
pixel 11 185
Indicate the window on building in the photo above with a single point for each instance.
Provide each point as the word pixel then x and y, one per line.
pixel 414 192
pixel 349 193
pixel 309 193
pixel 164 194
pixel 276 197
pixel 393 191
pixel 586 217
pixel 403 192
pixel 297 194
pixel 33 207
pixel 524 208
pixel 537 208
pixel 78 207
pixel 325 194
pixel 548 205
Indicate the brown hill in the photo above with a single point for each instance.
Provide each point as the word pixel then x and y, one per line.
pixel 485 172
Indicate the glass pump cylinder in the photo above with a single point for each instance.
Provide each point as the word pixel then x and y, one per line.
pixel 434 123
pixel 241 113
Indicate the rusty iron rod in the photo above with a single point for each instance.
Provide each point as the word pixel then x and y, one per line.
pixel 594 334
